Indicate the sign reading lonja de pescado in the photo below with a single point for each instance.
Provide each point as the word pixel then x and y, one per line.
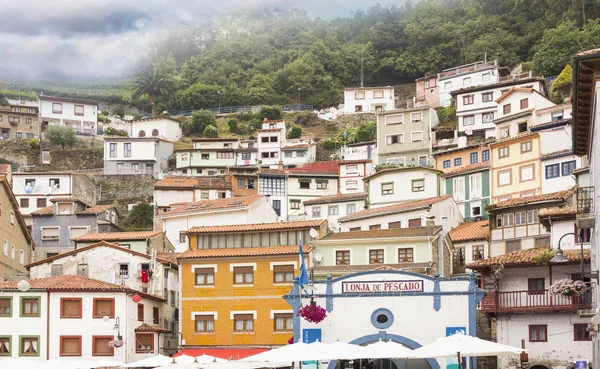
pixel 382 286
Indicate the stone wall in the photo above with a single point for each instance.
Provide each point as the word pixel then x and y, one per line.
pixel 77 159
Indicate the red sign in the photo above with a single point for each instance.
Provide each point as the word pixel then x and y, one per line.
pixel 382 286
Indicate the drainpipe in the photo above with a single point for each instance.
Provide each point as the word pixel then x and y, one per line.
pixel 48 326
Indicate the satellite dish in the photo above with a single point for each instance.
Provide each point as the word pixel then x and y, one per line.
pixel 468 131
pixel 318 257
pixel 313 233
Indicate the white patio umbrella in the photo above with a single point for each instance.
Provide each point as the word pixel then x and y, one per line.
pixel 184 359
pixel 244 365
pixel 20 363
pixel 207 359
pixel 304 352
pixel 180 366
pixel 150 362
pixel 102 363
pixel 385 350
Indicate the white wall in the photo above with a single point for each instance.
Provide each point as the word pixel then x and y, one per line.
pixel 333 219
pixel 362 152
pixel 166 128
pixel 42 187
pixel 455 83
pixel 402 180
pixel 90 113
pixel 469 250
pixel 349 176
pixel 165 198
pixel 26 326
pixel 369 102
pixel 140 150
pixel 561 183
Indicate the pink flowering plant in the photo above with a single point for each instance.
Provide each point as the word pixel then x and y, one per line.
pixel 291 340
pixel 568 287
pixel 312 313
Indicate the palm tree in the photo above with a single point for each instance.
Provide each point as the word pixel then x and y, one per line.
pixel 155 84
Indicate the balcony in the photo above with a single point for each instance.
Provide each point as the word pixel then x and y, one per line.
pixel 585 207
pixel 532 302
pixel 445 142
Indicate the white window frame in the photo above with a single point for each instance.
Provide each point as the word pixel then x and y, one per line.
pixel 400 139
pixel 471 119
pixel 446 87
pixel 49 239
pixel 87 228
pixel 412 138
pixel 488 114
pixel 500 173
pixel 413 120
pixel 394 123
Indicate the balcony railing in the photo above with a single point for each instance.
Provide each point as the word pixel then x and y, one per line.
pixel 445 142
pixel 533 301
pixel 585 200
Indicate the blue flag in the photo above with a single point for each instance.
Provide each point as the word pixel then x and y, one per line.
pixel 303 274
pixel 345 134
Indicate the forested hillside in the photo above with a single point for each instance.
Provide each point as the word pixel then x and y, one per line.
pixel 274 56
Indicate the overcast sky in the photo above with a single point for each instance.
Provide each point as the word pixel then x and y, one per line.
pixel 43 39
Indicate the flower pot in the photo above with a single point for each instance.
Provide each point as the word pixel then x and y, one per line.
pixel 569 293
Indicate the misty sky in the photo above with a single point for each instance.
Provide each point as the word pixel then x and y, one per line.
pixel 43 39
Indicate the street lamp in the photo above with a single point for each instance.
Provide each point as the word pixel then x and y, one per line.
pixel 117 328
pixel 219 93
pixel 559 257
pixel 299 89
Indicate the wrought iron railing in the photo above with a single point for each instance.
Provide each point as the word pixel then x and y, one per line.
pixel 585 200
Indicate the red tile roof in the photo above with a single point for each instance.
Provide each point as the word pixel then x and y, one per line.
pixel 273 171
pixel 68 199
pixel 370 267
pixel 526 257
pixel 243 251
pixel 116 236
pixel 470 231
pixel 212 205
pixel 483 165
pixel 48 210
pixel 322 167
pixel 96 209
pixel 554 196
pixel 557 107
pixel 5 168
pixel 167 257
pixel 401 168
pixel 340 197
pixel 357 161
pixel 192 183
pixel 150 328
pixel 558 212
pixel 393 209
pixel 384 233
pixel 559 153
pixel 510 138
pixel 514 115
pixel 301 224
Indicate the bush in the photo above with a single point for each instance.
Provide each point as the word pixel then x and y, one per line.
pixel 137 117
pixel 3 102
pixel 211 132
pixel 119 111
pixel 295 132
pixel 34 143
pixel 254 125
pixel 245 116
pixel 140 218
pixel 270 112
pixel 105 112
pixel 61 136
pixel 200 120
pixel 110 131
pixel 329 145
pixel 233 125
pixel 305 118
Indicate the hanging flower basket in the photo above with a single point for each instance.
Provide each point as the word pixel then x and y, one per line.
pixel 568 287
pixel 312 313
pixel 115 343
pixel 291 340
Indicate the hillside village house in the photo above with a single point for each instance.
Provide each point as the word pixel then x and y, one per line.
pixel 165 127
pixel 272 183
pixel 136 155
pixel 19 119
pixel 236 210
pixel 73 324
pixel 471 242
pixel 334 207
pixel 17 244
pixel 243 180
pixel 554 327
pixel 360 151
pixel 405 249
pixel 427 92
pixel 309 182
pixel 34 190
pixel 353 174
pixel 78 114
pixel 515 111
pixel 274 148
pixel 145 242
pixel 399 184
pixel 247 153
pixel 470 188
pixel 172 190
pixel 405 136
pixel 208 156
pixel 369 99
pixel 56 226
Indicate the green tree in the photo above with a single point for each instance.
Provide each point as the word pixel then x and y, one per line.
pixel 211 132
pixel 61 136
pixel 233 125
pixel 561 87
pixel 366 132
pixel 154 84
pixel 140 218
pixel 119 111
pixel 329 144
pixel 269 112
pixel 200 120
pixel 295 132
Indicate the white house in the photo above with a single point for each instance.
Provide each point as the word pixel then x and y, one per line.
pixel 309 183
pixel 135 156
pixel 353 174
pixel 360 151
pixel 246 153
pixel 165 127
pixel 515 110
pixel 80 115
pixel 173 190
pixel 274 147
pixel 334 207
pixel 208 157
pixel 400 184
pixel 236 210
pixel 557 169
pixel 272 183
pixel 470 241
pixel 369 99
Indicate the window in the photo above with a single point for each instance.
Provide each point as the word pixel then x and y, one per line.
pixel 15 120
pixel 284 322
pixel 264 139
pixel 19 135
pixel 204 195
pixel 333 210
pixel 538 333
pixel 457 161
pixel 350 208
pixel 24 202
pixel 394 119
pixel 568 167
pixel 506 109
pixel 100 346
pixel 250 184
pixel 322 185
pixel 387 188
pixel 579 333
pixel 295 204
pixel 520 218
pixel 468 100
pixel 127 150
pixel 524 104
pixel 342 258
pixel 113 150
pixel 316 211
pixel 204 156
pixel 50 233
pixel 525 146
pixel 359 95
pixel 241 183
pixel 504 177
pixel 557 115
pixel 474 157
pixel 354 229
pixel 276 204
pixel 414 223
pixel 30 307
pixel 57 108
pixel 542 242
pixel 448 85
pixel 394 225
pixel 527 173
pixel 376 256
pixel 487 96
pixel 205 323
pixel 406 255
pixel 466 81
pixel 468 120
pixel 305 184
pixel 358 108
pixel 205 276
pixel 513 246
pixel 446 163
pixel 243 275
pixel 246 156
pixel 243 322
pixel 416 136
pixel 29 346
pixel 70 308
pixel 182 236
pixel 394 139
pixel 503 152
pixel 5 306
pixel 225 155
pixel 5 248
pixel 140 312
pixel 104 307
pixel 5 346
pixel 532 217
pixel 485 155
pixel 12 251
pixel 416 117
pixel 124 270
pixel 142 133
pixel 487 117
pixel 535 286
pixel 375 226
pixel 144 343
pixel 418 185
pixel 283 273
pixel 552 171
pixel 477 252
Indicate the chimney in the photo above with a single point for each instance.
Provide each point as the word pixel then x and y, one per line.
pixel 280 165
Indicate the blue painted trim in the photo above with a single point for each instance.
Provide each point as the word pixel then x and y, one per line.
pixel 479 293
pixel 293 298
pixel 418 275
pixel 473 301
pixel 437 298
pixel 385 312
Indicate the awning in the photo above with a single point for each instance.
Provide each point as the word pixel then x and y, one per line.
pixel 227 353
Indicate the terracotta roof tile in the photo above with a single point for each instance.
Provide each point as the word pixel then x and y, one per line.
pixel 525 257
pixel 5 168
pixel 96 209
pixel 510 138
pixel 554 123
pixel 150 328
pixel 557 107
pixel 273 171
pixel 557 211
pixel 67 199
pixel 555 154
pixel 71 282
pixel 192 183
pixel 393 209
pixel 337 198
pixel 554 196
pixel 514 115
pixel 167 257
pixel 469 168
pixel 48 210
pixel 301 224
pixel 243 251
pixel 471 231
pixel 401 168
pixel 323 167
pixel 369 267
pixel 116 236
pixel 383 233
pixel 269 130
pixel 205 206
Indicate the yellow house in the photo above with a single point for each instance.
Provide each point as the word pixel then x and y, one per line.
pixel 516 167
pixel 233 279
